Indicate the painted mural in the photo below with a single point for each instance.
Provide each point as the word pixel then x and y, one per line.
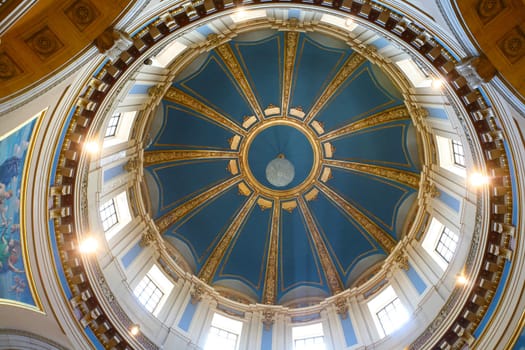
pixel 14 283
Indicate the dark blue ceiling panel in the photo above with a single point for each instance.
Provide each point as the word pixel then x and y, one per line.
pixel 262 64
pixel 247 253
pixel 181 181
pixel 298 260
pixel 213 85
pixel 346 241
pixel 315 67
pixel 190 130
pixel 203 228
pixel 382 145
pixel 376 197
pixel 362 95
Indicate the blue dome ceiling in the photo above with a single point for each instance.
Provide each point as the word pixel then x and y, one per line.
pixel 313 101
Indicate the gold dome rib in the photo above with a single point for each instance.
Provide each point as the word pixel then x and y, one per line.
pixel 270 283
pixel 390 115
pixel 183 99
pixel 213 261
pixel 404 177
pixel 384 239
pixel 159 157
pixel 349 67
pixel 182 210
pixel 226 54
pixel 291 41
pixel 334 281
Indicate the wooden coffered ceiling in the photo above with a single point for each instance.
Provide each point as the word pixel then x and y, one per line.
pixel 49 35
pixel 498 27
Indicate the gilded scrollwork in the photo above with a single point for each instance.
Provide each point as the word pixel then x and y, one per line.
pixel 176 214
pixel 404 177
pixel 341 306
pixel 349 67
pixel 211 264
pixel 390 115
pixel 270 287
pixel 335 283
pixel 228 57
pixel 430 189
pixel 290 51
pixel 180 97
pixel 384 239
pixel 158 157
pixel 268 319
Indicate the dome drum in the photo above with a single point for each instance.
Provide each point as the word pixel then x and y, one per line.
pixel 328 192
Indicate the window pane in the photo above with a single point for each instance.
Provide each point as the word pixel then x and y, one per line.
pixel 458 152
pixel 311 343
pixel 108 214
pixel 148 293
pixel 220 339
pixel 392 316
pixel 447 244
pixel 111 130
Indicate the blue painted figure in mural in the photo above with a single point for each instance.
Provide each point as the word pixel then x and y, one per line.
pixel 9 250
pixel 4 196
pixel 10 168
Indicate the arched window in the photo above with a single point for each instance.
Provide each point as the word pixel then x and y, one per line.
pixel 388 312
pixel 224 333
pixel 153 290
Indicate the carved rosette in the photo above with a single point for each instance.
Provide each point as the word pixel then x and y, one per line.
pixel 44 43
pixel 488 9
pixel 81 13
pixel 513 44
pixel 8 68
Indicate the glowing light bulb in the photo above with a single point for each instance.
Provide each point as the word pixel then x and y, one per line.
pixel 88 245
pixel 92 147
pixel 461 279
pixel 135 329
pixel 239 15
pixel 437 83
pixel 350 24
pixel 478 179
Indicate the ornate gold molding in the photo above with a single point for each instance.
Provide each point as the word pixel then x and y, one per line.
pixel 404 177
pixel 180 97
pixel 182 210
pixel 349 67
pixel 245 167
pixel 211 264
pixel 384 239
pixel 291 41
pixel 390 115
pixel 158 157
pixel 335 283
pixel 270 284
pixel 227 56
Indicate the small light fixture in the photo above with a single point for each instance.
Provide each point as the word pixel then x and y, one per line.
pixel 92 147
pixel 350 24
pixel 478 179
pixel 239 15
pixel 88 245
pixel 134 329
pixel 280 171
pixel 437 83
pixel 461 279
